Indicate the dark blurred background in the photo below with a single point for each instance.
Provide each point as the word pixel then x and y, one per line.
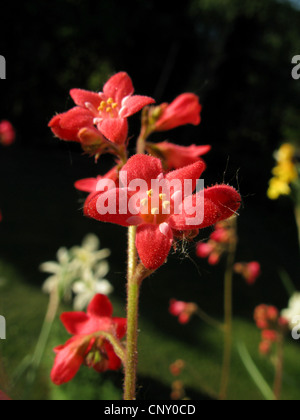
pixel 236 55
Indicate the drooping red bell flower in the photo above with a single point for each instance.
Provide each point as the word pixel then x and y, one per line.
pixel 249 271
pixel 158 215
pixel 183 310
pixel 176 157
pixel 88 346
pixel 105 112
pixel 7 133
pixel 185 109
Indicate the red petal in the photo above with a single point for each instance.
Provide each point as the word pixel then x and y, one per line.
pixel 200 221
pixel 134 104
pixel 114 363
pixel 142 167
pixel 100 307
pixel 153 247
pixel 118 87
pixel 74 321
pixel 121 327
pixel 68 360
pixel 191 172
pixel 115 129
pixel 183 110
pixel 81 97
pixel 118 197
pixel 220 203
pixel 87 185
pixel 66 126
pixel 226 198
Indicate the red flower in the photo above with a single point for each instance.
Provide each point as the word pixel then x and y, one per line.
pixel 250 271
pixel 218 243
pixel 107 110
pixel 88 346
pixel 175 157
pixel 7 133
pixel 155 213
pixel 185 109
pixel 182 310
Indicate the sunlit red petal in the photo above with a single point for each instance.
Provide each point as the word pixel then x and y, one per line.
pixel 117 196
pixel 226 198
pixel 191 172
pixel 153 246
pixel 73 321
pixel 81 97
pixel 134 104
pixel 67 125
pixel 118 87
pixel 115 129
pixel 142 167
pixel 100 306
pixel 68 360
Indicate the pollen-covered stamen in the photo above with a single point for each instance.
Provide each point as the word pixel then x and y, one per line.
pixel 155 210
pixel 107 108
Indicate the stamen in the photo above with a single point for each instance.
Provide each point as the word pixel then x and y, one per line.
pixel 149 193
pixel 144 202
pixel 155 211
pixel 110 101
pixel 108 109
pixel 162 196
pixel 166 204
pixel 114 106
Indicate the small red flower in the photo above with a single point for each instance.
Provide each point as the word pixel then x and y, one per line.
pixel 7 133
pixel 218 243
pixel 185 109
pixel 155 216
pixel 183 310
pixel 107 111
pixel 176 157
pixel 250 271
pixel 88 346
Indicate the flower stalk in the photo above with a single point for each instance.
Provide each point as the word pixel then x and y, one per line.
pixel 279 368
pixel 228 314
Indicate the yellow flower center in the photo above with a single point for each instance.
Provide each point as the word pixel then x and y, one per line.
pixel 108 107
pixel 155 211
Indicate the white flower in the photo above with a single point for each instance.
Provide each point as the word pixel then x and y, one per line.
pixel 80 271
pixel 293 311
pixel 89 254
pixel 91 284
pixel 64 273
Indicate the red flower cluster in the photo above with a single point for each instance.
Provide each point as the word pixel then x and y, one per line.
pixel 155 215
pixel 218 243
pixel 177 367
pixel 7 133
pixel 183 310
pixel 273 326
pixel 90 345
pixel 100 119
pixel 250 271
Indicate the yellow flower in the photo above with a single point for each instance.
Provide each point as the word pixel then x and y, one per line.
pixel 286 171
pixel 286 153
pixel 277 188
